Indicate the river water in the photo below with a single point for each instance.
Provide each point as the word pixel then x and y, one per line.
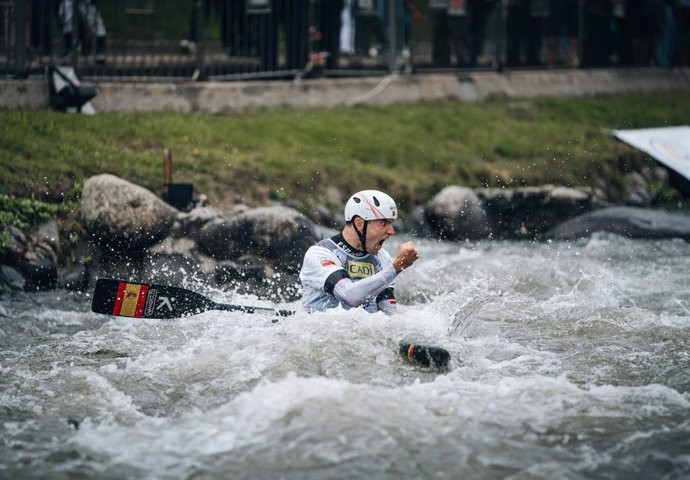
pixel 569 360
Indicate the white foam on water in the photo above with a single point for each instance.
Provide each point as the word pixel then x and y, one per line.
pixel 568 361
pixel 319 421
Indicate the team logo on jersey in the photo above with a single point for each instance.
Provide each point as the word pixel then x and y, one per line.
pixel 345 247
pixel 360 269
pixel 325 262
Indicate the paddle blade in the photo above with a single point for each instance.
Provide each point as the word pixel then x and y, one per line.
pixel 142 300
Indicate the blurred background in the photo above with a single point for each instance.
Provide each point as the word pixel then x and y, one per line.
pixel 150 40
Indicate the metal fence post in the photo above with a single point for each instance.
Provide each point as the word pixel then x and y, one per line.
pixel 501 21
pixel 580 31
pixel 392 35
pixel 200 73
pixel 75 46
pixel 20 70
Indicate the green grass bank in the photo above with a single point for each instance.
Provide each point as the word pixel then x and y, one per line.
pixel 412 151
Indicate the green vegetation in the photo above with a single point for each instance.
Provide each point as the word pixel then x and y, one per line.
pixel 23 213
pixel 411 150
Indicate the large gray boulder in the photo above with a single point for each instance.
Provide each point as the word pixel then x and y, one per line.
pixel 222 239
pixel 123 216
pixel 279 234
pixel 46 231
pixel 626 221
pixel 13 245
pixel 172 269
pixel 189 223
pixel 30 261
pixel 531 212
pixel 456 213
pixel 416 222
pixel 39 267
pixel 10 279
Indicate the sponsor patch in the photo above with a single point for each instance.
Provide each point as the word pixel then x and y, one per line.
pixel 326 262
pixel 345 247
pixel 360 269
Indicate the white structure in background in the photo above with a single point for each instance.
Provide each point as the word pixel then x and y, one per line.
pixel 668 145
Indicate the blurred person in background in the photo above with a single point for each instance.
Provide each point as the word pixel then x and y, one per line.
pixel 597 41
pixel 450 28
pixel 664 33
pixel 479 11
pixel 525 23
pixel 90 26
pixel 562 31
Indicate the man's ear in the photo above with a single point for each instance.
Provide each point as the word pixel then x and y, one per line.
pixel 358 222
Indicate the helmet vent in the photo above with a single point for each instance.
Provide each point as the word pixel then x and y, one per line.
pixel 356 199
pixel 376 202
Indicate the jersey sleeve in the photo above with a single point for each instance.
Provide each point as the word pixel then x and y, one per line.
pixel 358 293
pixel 364 290
pixel 321 269
pixel 386 300
pixel 387 260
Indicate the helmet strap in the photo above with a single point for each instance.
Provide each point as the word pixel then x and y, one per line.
pixel 362 235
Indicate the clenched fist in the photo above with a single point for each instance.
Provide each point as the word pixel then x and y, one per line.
pixel 406 256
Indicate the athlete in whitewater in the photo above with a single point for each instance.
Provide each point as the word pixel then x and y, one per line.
pixel 352 269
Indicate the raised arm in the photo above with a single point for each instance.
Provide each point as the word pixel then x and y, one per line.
pixel 354 294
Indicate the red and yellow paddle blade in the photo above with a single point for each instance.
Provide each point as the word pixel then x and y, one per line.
pixel 130 299
pixel 142 300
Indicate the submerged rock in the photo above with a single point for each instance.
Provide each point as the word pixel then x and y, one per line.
pixel 10 279
pixel 221 239
pixel 76 279
pixel 456 213
pixel 228 272
pixel 13 245
pixel 630 222
pixel 47 232
pixel 188 224
pixel 171 268
pixel 530 212
pixel 39 267
pixel 279 234
pixel 30 262
pixel 416 223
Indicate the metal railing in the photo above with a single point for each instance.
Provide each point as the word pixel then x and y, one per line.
pixel 148 40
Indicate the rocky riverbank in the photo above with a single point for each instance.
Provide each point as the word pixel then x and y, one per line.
pixel 130 233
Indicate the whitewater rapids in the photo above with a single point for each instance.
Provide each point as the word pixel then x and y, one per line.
pixel 569 360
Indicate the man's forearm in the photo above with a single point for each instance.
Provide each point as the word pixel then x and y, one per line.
pixel 357 293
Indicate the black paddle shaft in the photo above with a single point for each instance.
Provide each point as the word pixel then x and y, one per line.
pixel 142 300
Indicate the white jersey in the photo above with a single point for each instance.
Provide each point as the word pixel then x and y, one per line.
pixel 332 260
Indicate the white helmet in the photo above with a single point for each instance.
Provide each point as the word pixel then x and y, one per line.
pixel 371 205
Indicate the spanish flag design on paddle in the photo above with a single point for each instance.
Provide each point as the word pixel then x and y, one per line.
pixel 130 300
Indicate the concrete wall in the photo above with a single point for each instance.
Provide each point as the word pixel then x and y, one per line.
pixel 215 97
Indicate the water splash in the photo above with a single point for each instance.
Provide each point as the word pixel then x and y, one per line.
pixel 569 361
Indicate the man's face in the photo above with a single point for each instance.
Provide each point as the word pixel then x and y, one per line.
pixel 378 232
